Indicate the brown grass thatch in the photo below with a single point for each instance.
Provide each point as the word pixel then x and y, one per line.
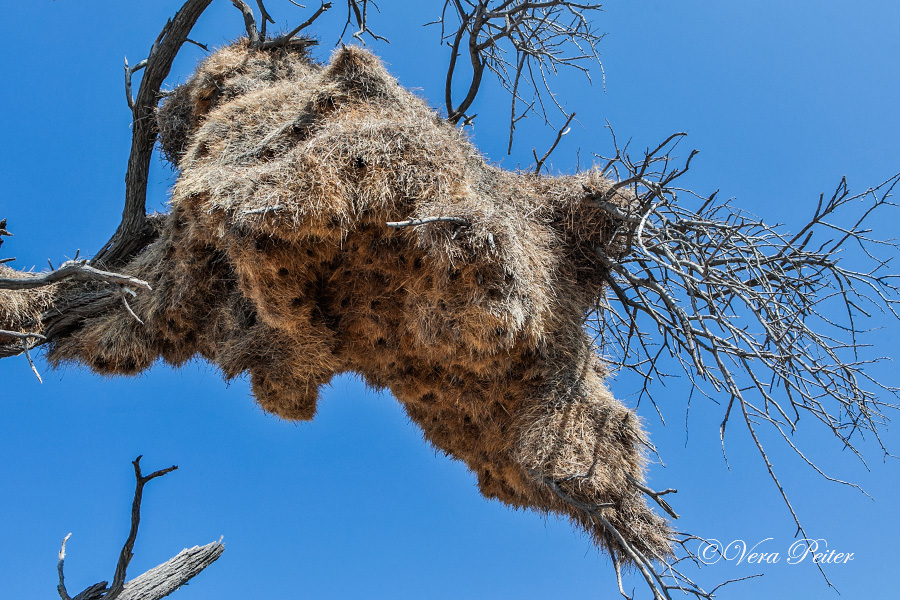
pixel 276 261
pixel 20 310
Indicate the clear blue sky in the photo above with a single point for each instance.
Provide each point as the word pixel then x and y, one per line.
pixel 782 99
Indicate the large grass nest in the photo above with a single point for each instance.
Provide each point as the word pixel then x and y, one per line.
pixel 276 261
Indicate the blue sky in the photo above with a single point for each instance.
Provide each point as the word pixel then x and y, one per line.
pixel 781 98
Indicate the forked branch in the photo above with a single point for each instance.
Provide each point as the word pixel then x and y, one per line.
pixel 744 306
pixel 134 231
pixel 523 43
pixel 154 584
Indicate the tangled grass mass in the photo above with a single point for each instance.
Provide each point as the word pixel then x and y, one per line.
pixel 326 220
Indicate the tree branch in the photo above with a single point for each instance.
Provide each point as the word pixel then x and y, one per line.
pixel 741 305
pixel 159 581
pixel 286 38
pixel 426 220
pixel 127 554
pixel 510 38
pixel 559 135
pixel 78 270
pixel 134 231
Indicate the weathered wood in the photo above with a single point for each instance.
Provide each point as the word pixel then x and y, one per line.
pixel 73 269
pixel 159 581
pixel 164 579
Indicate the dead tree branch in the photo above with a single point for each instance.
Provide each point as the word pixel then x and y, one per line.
pixel 249 22
pixel 519 41
pixel 539 162
pixel 266 18
pixel 72 270
pixel 744 306
pixel 76 270
pixel 426 220
pixel 358 12
pixel 134 231
pixel 154 584
pixel 127 554
pixel 286 38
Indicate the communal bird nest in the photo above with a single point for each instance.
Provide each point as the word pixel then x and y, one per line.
pixel 326 220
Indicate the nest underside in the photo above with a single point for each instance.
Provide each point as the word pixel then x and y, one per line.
pixel 276 261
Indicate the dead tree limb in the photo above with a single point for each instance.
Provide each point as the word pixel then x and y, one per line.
pixel 28 335
pixel 292 33
pixel 135 231
pixel 358 12
pixel 539 162
pixel 75 270
pixel 426 220
pixel 746 307
pixel 519 41
pixel 154 584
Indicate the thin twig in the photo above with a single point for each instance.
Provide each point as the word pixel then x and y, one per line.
pixel 559 135
pixel 426 220
pixel 26 349
pixel 127 554
pixel 284 39
pixel 61 588
pixel 261 211
pixel 78 270
pixel 656 496
pixel 122 291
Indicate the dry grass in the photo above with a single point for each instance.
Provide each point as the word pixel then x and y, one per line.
pixel 20 310
pixel 276 261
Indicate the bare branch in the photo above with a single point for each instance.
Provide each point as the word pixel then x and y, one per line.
pixel 61 588
pixel 559 135
pixel 743 306
pixel 249 22
pixel 426 220
pixel 78 270
pixel 203 47
pixel 127 554
pixel 656 496
pixel 159 581
pixel 266 18
pixel 510 38
pixel 22 336
pixel 122 293
pixel 134 231
pixel 284 39
pixel 358 11
pixel 659 573
pixel 164 579
pixel 129 73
